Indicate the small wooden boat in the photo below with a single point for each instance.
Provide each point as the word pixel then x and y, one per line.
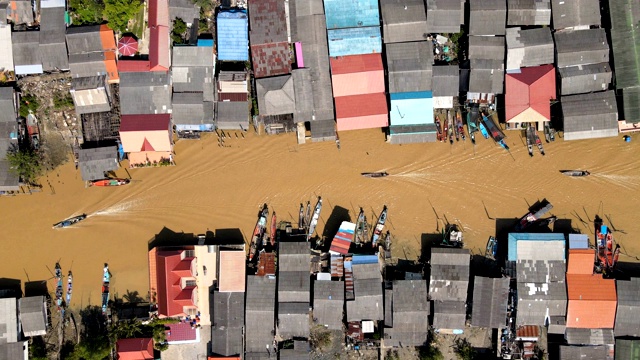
pixel 530 136
pixel 69 287
pixel 360 223
pixel 450 126
pixel 439 129
pixel 59 294
pixel 492 247
pixel 314 220
pixel 273 229
pixel 307 215
pixel 547 131
pixel 106 279
pixel 374 174
pixel 110 182
pixel 445 130
pixel 539 144
pixel 532 216
pixel 459 133
pixel 301 217
pixel 70 221
pixel 377 231
pixel 472 122
pixel 483 130
pixel 575 172
pixel 258 231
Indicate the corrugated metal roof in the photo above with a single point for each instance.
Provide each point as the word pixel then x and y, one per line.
pixel 328 302
pixel 95 162
pixel 490 298
pixel 530 47
pixel 487 47
pixel 584 78
pixel 449 314
pixel 276 95
pixel 532 88
pixel 361 105
pixel 355 63
pixel 233 36
pixel 444 16
pixel 627 349
pixel 578 241
pixel 271 59
pixel 590 115
pixel 513 238
pixel 567 14
pixel 583 352
pixel 159 49
pixel 446 80
pixel 145 93
pixel 576 336
pixel 628 313
pixel 260 313
pixel 528 12
pixel 227 322
pixel 625 41
pixel 350 14
pixel 343 238
pixel 410 311
pixel 487 17
pixel 581 261
pixel 293 320
pixel 368 303
pixel 581 47
pixel 409 66
pixel 268 22
pixel 583 299
pixel 411 108
pixel 449 278
pixel 354 41
pixel 157 122
pixel 33 315
pixel 403 20
pixel 358 83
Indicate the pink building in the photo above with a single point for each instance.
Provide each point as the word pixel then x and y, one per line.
pixel 146 138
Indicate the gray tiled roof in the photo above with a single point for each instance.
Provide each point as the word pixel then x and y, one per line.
pixel 307 7
pixel 232 115
pixel 403 20
pixel 294 286
pixel 33 315
pixel 367 271
pixel 568 14
pixel 53 49
pixel 95 162
pixel 446 79
pixel 444 16
pixel 487 47
pixel 368 303
pixel 490 298
pixel 145 93
pixel 583 352
pixel 8 179
pixel 12 351
pixel 8 320
pixel 293 256
pixel 449 274
pixel 590 115
pixel 227 324
pixel 276 95
pixel 303 93
pixel 528 12
pixel 628 313
pixel 410 314
pixel 260 313
pixel 328 302
pixel 449 314
pixel 185 10
pixel 301 351
pixel 581 47
pixel 7 106
pixel 626 349
pixel 487 17
pixel 540 270
pixel 584 78
pixel 530 47
pixel 487 76
pixel 537 300
pixel 191 109
pixel 575 336
pixel 409 66
pixel 84 39
pixel 293 320
pixel 187 56
pixel 25 47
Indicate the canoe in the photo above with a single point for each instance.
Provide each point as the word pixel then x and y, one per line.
pixel 575 172
pixel 110 182
pixel 375 174
pixel 70 221
pixel 377 231
pixel 314 220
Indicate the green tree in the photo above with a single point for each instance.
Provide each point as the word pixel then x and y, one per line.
pixel 85 12
pixel 97 348
pixel 430 353
pixel 125 329
pixel 119 12
pixel 464 350
pixel 25 163
pixel 177 33
pixel 28 102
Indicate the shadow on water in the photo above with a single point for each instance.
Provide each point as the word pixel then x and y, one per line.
pixel 36 288
pixel 337 216
pixel 168 237
pixel 10 288
pixel 94 322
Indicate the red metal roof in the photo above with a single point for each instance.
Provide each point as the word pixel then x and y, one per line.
pixel 271 59
pixel 528 331
pixel 532 88
pixel 581 261
pixel 590 287
pixel 356 63
pixel 135 349
pixel 232 97
pixel 181 331
pixel 152 122
pixel 342 241
pixel 361 105
pixel 159 57
pixel 171 269
pixel 158 13
pixel 133 65
pixel 592 301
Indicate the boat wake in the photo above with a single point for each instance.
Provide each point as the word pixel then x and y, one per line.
pixel 625 181
pixel 116 209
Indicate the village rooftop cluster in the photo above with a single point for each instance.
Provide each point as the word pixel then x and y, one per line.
pixel 422 70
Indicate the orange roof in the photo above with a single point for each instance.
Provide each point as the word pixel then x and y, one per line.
pixel 107 38
pixel 581 261
pixel 590 287
pixel 111 66
pixel 356 63
pixel 135 349
pixel 591 314
pixel 232 271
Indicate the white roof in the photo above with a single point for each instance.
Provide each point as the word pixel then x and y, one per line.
pixel 6 55
pixel 8 320
pixel 52 3
pixel 541 250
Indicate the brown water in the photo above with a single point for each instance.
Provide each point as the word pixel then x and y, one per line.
pixel 213 187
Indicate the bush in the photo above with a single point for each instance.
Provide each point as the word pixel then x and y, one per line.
pixel 28 103
pixel 464 350
pixel 24 163
pixel 62 101
pixel 119 12
pixel 85 12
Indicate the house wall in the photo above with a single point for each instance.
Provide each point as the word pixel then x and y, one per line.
pixel 151 156
pixel 363 122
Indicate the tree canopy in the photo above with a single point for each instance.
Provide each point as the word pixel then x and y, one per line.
pixel 25 163
pixel 119 12
pixel 85 12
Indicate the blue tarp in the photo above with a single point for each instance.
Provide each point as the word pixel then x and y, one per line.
pixel 515 237
pixel 411 108
pixel 355 41
pixel 364 259
pixel 233 36
pixel 205 42
pixel 342 14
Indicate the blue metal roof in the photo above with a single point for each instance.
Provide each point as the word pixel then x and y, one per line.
pixel 515 237
pixel 578 241
pixel 342 14
pixel 411 108
pixel 233 36
pixel 205 42
pixel 355 41
pixel 364 259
